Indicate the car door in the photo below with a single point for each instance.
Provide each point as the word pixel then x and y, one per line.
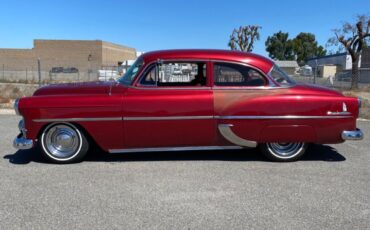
pixel 239 93
pixel 168 107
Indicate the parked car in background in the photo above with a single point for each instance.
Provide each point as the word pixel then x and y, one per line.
pixel 64 70
pixel 305 70
pixel 70 70
pixel 56 70
pixel 234 100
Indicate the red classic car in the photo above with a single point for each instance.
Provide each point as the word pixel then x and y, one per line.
pixel 187 100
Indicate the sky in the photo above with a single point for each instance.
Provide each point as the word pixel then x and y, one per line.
pixel 162 24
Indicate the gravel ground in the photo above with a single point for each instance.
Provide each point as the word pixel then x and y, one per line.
pixel 328 189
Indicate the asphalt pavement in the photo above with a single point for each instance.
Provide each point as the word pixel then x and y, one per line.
pixel 328 189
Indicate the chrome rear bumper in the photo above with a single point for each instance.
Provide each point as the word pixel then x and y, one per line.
pixel 353 135
pixel 22 143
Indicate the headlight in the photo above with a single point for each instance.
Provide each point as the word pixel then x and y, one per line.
pixel 16 103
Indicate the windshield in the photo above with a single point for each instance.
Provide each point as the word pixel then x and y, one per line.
pixel 129 76
pixel 281 77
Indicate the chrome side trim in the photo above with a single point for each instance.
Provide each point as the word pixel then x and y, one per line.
pixel 167 118
pixel 277 117
pixel 331 115
pixel 338 113
pixel 166 149
pixel 354 135
pixel 228 134
pixel 79 119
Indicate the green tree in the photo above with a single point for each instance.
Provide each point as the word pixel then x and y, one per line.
pixel 279 46
pixel 244 37
pixel 305 46
pixel 353 37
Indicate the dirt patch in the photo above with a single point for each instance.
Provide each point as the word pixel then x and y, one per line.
pixel 365 96
pixel 4 100
pixel 13 91
pixel 9 92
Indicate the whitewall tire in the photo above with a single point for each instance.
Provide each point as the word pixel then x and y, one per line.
pixel 283 151
pixel 63 143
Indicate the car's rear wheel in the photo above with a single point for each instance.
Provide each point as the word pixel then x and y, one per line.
pixel 63 143
pixel 284 151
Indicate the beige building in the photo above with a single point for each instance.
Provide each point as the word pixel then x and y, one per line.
pixel 289 67
pixel 326 71
pixel 56 56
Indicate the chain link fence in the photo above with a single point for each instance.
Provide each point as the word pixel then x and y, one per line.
pixel 35 75
pixel 340 80
pixel 32 75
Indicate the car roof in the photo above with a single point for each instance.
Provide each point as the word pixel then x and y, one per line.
pixel 256 60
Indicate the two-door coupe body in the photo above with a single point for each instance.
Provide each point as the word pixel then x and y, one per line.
pixel 187 100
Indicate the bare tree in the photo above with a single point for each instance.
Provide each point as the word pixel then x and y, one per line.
pixel 243 38
pixel 353 37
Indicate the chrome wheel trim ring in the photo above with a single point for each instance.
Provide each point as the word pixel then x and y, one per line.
pixel 285 150
pixel 61 141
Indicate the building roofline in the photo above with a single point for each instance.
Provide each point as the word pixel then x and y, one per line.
pixel 327 56
pixel 115 44
pixel 80 40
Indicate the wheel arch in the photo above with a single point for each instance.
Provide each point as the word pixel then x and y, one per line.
pixel 79 126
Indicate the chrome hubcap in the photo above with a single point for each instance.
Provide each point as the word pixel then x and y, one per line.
pixel 61 141
pixel 283 149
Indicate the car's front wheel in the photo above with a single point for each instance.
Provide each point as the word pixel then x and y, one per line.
pixel 63 143
pixel 284 151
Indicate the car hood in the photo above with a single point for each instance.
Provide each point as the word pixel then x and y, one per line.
pixel 311 89
pixel 95 87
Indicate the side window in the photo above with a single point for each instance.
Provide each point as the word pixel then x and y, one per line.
pixel 175 74
pixel 228 74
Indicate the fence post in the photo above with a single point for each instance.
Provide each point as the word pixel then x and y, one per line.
pixel 39 70
pixel 314 76
pixel 3 72
pixel 26 75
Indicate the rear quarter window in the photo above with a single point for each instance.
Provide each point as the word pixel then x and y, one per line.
pixel 229 74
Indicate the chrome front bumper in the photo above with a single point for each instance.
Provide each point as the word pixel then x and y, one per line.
pixel 355 135
pixel 22 143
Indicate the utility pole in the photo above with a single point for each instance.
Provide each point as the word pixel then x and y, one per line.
pixel 39 70
pixel 89 58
